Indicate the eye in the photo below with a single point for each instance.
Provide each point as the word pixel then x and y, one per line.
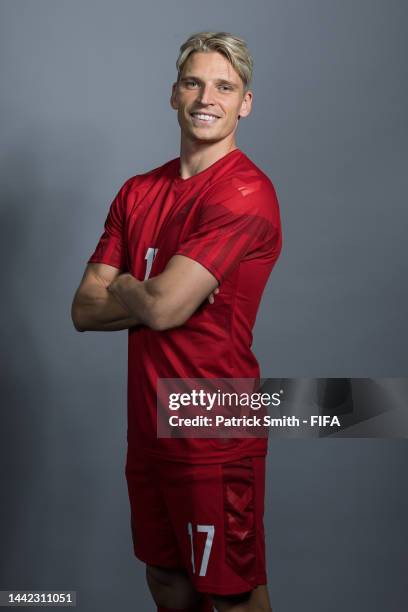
pixel 225 87
pixel 190 83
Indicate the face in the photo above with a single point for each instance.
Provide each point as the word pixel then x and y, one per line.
pixel 209 97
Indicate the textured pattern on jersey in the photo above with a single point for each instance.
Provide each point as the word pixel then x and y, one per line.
pixel 230 224
pixel 227 219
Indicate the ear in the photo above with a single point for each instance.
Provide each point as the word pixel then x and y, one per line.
pixel 173 97
pixel 246 104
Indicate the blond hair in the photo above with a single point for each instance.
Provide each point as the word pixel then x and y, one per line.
pixel 233 48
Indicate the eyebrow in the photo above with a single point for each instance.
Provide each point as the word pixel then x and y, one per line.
pixel 218 81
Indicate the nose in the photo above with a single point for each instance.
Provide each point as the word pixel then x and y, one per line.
pixel 206 95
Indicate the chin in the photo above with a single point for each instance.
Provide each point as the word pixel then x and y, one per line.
pixel 208 138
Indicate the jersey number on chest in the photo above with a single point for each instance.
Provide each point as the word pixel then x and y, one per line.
pixel 149 257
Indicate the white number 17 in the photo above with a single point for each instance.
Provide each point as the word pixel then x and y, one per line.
pixel 209 530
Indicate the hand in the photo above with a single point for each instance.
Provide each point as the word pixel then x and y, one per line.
pixel 211 297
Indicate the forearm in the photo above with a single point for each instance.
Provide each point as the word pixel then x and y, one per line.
pixel 166 300
pixel 135 297
pixel 99 310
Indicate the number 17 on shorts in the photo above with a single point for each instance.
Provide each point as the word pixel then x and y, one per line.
pixel 209 530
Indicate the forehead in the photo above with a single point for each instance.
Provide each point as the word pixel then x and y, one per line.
pixel 210 65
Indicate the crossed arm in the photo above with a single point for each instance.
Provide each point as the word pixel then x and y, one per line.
pixel 108 300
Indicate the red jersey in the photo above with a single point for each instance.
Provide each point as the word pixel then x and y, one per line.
pixel 225 217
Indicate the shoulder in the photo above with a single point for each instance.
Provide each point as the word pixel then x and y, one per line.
pixel 246 188
pixel 151 176
pixel 249 178
pixel 135 188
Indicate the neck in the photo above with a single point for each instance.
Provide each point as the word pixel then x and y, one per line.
pixel 196 156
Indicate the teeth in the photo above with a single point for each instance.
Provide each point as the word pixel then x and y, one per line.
pixel 204 117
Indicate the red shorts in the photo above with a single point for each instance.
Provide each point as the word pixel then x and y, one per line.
pixel 205 519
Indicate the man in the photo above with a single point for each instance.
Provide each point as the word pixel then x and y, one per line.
pixel 186 253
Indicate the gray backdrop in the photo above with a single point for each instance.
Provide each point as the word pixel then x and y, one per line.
pixel 84 106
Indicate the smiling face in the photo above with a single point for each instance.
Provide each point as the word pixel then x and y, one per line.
pixel 208 98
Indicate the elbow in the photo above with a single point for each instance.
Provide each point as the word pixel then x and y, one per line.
pixel 78 327
pixel 77 318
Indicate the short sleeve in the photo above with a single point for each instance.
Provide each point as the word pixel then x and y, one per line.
pixel 237 221
pixel 111 248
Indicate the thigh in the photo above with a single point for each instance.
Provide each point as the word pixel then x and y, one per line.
pixel 171 588
pixel 154 540
pixel 217 516
pixel 257 599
